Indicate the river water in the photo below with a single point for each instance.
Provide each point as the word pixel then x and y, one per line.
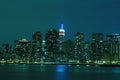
pixel 57 72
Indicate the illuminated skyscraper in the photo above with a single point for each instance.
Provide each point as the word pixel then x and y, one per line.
pixel 79 45
pixel 116 48
pixel 61 36
pixel 51 44
pixel 36 44
pixel 97 46
pixel 62 31
pixel 22 48
pixel 113 46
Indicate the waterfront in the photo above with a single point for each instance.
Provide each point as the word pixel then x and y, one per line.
pixel 57 72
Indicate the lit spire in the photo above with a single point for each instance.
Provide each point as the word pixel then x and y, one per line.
pixel 61 26
pixel 61 30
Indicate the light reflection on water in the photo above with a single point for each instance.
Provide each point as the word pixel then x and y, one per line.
pixel 58 68
pixel 61 68
pixel 58 72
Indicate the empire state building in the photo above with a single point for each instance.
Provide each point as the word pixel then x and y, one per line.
pixel 61 35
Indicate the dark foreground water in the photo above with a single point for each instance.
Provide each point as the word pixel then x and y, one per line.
pixel 57 72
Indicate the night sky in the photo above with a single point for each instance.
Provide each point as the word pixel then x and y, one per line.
pixel 21 18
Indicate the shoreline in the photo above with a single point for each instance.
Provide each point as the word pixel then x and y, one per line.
pixel 50 63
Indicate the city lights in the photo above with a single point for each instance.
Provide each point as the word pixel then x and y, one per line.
pixel 55 49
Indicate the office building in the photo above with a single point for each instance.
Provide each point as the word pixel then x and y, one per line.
pixel 36 45
pixel 97 47
pixel 22 49
pixel 52 44
pixel 79 46
pixel 113 47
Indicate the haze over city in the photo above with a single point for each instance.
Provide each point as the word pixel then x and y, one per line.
pixel 24 17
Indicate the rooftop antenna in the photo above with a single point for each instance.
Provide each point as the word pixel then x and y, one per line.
pixel 62 22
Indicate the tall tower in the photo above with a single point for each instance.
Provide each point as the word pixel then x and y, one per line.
pixel 61 36
pixel 97 47
pixel 36 45
pixel 79 46
pixel 113 46
pixel 51 44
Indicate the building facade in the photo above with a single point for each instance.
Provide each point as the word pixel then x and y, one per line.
pixel 36 45
pixel 22 49
pixel 97 47
pixel 61 36
pixel 52 44
pixel 79 46
pixel 113 47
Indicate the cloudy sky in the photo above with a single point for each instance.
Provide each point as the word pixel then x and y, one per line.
pixel 21 18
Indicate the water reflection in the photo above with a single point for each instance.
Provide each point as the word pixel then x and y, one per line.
pixel 116 70
pixel 61 68
pixel 43 68
pixel 60 72
pixel 58 68
pixel 22 68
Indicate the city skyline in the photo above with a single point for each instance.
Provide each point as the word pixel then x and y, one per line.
pixel 55 49
pixel 59 39
pixel 60 30
pixel 23 18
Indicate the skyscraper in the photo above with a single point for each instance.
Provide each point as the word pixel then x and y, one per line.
pixel 116 48
pixel 36 45
pixel 22 48
pixel 67 50
pixel 61 36
pixel 97 46
pixel 52 44
pixel 113 47
pixel 79 46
